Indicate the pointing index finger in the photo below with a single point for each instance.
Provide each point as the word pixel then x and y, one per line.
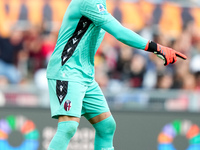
pixel 178 54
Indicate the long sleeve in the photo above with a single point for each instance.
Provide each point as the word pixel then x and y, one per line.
pixel 125 35
pixel 96 11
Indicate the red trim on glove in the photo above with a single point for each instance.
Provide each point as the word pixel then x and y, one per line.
pixel 147 46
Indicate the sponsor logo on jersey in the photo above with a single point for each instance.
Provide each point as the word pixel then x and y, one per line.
pixel 69 49
pixel 60 97
pixel 61 88
pixel 79 32
pixel 75 40
pixel 102 31
pixel 67 105
pixel 84 24
pixel 101 8
pixel 64 58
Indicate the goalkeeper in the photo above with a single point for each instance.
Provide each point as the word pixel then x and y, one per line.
pixel 70 72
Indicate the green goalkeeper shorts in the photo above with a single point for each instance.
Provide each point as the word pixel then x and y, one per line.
pixel 75 99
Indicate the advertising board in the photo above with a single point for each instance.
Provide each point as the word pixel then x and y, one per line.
pixel 33 129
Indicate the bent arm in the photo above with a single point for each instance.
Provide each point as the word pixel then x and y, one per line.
pixel 125 35
pixel 95 10
pixel 100 17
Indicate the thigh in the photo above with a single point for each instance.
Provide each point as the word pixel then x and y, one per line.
pixel 100 117
pixel 94 102
pixel 66 98
pixel 68 118
pixel 10 72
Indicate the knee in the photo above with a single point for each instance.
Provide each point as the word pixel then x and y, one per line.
pixel 106 126
pixel 110 126
pixel 68 128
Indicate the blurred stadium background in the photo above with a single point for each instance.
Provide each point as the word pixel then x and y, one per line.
pixel 155 107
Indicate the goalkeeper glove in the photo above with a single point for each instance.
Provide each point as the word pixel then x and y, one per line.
pixel 167 54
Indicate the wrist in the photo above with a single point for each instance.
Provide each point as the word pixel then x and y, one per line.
pixel 151 46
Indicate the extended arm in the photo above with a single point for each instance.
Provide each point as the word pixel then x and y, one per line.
pixel 132 39
pixel 96 11
pixel 125 35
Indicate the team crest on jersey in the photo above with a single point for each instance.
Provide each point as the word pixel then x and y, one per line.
pixel 67 105
pixel 101 8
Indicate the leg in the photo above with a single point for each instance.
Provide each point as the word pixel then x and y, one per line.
pixel 95 109
pixel 66 103
pixel 105 126
pixel 67 127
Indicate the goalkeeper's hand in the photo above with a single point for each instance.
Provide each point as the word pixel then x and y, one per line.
pixel 167 54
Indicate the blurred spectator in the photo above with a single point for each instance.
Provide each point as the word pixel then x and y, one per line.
pixel 124 61
pixel 117 13
pixel 7 6
pixel 47 47
pixel 3 80
pixel 197 77
pixel 181 70
pixel 195 69
pixel 189 82
pixel 9 49
pixel 137 70
pixel 32 45
pixel 2 99
pixel 102 79
pixel 186 16
pixel 26 52
pixel 47 17
pixel 47 11
pixel 165 80
pixel 23 15
pixel 195 64
pixel 157 14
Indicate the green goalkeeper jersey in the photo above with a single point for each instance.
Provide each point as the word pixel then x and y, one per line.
pixel 81 33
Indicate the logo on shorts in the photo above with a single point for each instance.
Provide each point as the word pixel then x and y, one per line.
pixel 67 105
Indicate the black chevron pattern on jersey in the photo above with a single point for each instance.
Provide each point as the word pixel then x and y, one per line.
pixel 72 43
pixel 61 90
